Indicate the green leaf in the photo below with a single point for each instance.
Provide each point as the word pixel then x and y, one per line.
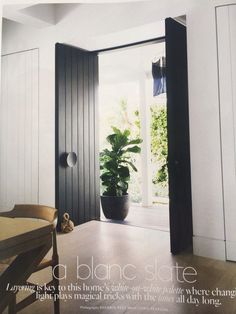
pixel 123 172
pixel 136 141
pixel 126 133
pixel 115 162
pixel 111 165
pixel 116 130
pixel 106 176
pixel 105 152
pixel 111 138
pixel 134 149
pixel 131 165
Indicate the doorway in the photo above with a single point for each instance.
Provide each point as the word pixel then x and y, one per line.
pixel 129 99
pixel 76 92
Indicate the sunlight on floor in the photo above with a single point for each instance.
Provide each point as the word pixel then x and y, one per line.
pixel 154 217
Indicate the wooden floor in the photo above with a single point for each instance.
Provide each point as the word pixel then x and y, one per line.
pixel 123 245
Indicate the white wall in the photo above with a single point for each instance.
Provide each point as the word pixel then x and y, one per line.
pixel 205 132
pixel 208 226
pixel 16 38
pixel 208 218
pixel 19 130
pixel 226 26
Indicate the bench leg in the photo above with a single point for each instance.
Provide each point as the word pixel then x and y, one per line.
pixel 12 305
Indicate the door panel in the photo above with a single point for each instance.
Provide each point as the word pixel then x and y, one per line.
pixel 178 137
pixel 77 187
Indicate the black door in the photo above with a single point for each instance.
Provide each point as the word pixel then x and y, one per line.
pixel 178 137
pixel 77 166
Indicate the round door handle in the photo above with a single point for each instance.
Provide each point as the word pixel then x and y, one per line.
pixel 71 159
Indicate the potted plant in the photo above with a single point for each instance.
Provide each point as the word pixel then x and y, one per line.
pixel 115 164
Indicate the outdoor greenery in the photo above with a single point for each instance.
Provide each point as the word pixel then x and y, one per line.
pixel 127 116
pixel 159 146
pixel 116 162
pixel 130 119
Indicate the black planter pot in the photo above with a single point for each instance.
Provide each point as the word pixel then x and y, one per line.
pixel 115 207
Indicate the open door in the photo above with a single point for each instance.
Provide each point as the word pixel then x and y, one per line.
pixel 178 137
pixel 77 155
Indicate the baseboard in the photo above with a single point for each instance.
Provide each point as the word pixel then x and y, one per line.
pixel 211 248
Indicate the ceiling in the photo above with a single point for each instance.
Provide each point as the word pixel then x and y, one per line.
pixel 47 14
pixel 93 24
pixel 38 15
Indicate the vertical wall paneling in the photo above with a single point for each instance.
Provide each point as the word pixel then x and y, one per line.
pixel 3 132
pixel 74 133
pixel 68 130
pixel 86 138
pixel 19 129
pixel 226 36
pixel 81 173
pixel 35 127
pixel 60 127
pixel 21 108
pixel 77 187
pixel 91 118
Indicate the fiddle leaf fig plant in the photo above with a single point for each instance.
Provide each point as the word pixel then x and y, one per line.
pixel 115 163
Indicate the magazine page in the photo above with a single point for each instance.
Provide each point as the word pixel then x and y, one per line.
pixel 117 156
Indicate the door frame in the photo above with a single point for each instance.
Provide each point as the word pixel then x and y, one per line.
pixel 130 45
